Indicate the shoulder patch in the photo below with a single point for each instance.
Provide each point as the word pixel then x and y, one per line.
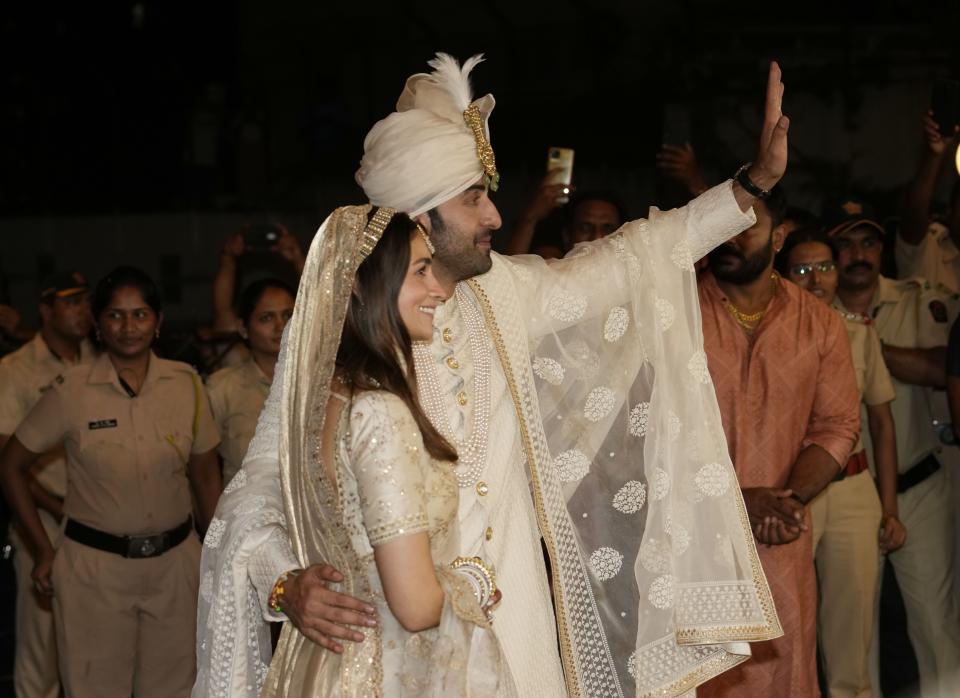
pixel 938 310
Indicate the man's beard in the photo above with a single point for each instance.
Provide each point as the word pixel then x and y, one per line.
pixel 457 254
pixel 750 267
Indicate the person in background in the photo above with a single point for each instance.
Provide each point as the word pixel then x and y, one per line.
pixel 225 320
pixel 679 163
pixel 912 320
pixel 848 513
pixel 781 365
pixel 589 215
pixel 926 247
pixel 237 393
pixel 138 433
pixel 25 375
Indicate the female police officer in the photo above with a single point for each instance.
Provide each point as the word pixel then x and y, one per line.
pixel 237 393
pixel 138 432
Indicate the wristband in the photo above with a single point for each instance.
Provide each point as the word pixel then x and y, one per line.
pixel 278 588
pixel 743 179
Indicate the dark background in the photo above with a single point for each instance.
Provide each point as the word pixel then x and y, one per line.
pixel 168 106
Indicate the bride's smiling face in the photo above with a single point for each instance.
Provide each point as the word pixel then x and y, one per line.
pixel 420 293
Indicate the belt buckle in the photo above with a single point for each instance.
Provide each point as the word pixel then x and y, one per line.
pixel 144 546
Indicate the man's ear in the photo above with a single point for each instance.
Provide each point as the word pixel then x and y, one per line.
pixel 424 220
pixel 779 237
pixel 46 312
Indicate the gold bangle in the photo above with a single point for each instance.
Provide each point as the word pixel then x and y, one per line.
pixel 482 578
pixel 278 588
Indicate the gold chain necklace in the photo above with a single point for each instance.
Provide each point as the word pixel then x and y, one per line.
pixel 749 321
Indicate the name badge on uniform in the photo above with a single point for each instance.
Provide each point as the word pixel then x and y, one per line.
pixel 102 424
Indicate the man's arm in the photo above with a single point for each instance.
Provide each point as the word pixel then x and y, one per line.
pixel 924 367
pixel 916 211
pixel 224 282
pixel 15 459
pixel 884 437
pixel 543 202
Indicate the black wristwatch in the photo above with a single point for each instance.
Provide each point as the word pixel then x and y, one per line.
pixel 744 180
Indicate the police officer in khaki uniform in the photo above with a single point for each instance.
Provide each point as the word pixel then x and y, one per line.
pixel 25 376
pixel 237 393
pixel 138 433
pixel 911 317
pixel 850 525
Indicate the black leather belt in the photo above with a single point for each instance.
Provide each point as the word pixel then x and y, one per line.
pixel 918 473
pixel 129 546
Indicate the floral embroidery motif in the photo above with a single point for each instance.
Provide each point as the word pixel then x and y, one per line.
pixel 673 426
pixel 206 587
pixel 665 314
pixel 630 498
pixel 660 486
pixel 632 664
pixel 616 325
pixel 655 556
pixel 215 533
pixel 567 307
pixel 638 418
pixel 606 563
pixel 238 481
pixel 681 256
pixel 713 479
pixel 523 274
pixel 697 365
pixel 599 403
pixel 680 537
pixel 549 370
pixel 584 358
pixel 571 465
pixel 661 592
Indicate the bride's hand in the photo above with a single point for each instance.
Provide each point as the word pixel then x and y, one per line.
pixel 494 600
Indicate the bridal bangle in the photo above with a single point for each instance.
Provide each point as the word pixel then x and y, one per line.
pixel 278 588
pixel 480 576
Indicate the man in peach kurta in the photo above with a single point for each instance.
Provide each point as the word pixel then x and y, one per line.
pixel 780 362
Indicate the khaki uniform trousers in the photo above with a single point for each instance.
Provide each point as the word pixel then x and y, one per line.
pixel 126 626
pixel 846 520
pixel 35 673
pixel 925 574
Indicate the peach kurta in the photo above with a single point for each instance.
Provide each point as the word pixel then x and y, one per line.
pixel 795 386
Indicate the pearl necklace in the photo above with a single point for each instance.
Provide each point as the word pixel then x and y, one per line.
pixel 472 452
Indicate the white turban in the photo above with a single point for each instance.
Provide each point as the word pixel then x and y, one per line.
pixel 425 153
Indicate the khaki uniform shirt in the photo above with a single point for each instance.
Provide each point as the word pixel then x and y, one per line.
pixel 873 379
pixel 935 258
pixel 126 456
pixel 237 395
pixel 25 375
pixel 914 314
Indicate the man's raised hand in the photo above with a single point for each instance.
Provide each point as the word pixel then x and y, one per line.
pixel 771 161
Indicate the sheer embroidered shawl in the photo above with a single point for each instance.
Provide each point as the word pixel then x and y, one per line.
pixel 656 578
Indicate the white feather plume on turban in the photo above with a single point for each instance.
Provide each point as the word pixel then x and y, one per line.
pixel 425 153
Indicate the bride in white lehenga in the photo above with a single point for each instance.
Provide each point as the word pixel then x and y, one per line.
pixel 379 499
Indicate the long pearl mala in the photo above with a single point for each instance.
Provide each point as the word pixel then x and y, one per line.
pixel 472 453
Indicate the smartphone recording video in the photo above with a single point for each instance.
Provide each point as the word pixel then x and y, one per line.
pixel 560 169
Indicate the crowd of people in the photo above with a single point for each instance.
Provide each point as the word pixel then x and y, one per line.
pixel 444 436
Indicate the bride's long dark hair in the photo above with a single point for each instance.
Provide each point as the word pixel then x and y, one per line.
pixel 375 349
